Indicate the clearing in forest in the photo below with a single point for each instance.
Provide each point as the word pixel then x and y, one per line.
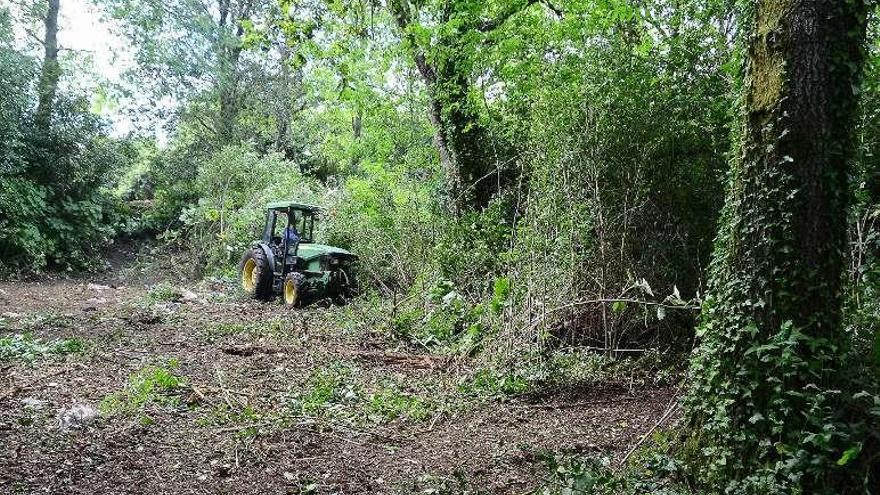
pixel 123 384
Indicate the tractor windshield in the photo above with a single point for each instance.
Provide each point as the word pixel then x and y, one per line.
pixel 305 225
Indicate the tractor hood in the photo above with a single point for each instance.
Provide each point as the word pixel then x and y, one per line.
pixel 310 251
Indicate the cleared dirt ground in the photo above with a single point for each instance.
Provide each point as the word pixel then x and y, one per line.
pixel 249 415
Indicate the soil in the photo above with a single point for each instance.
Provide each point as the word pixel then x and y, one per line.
pixel 258 359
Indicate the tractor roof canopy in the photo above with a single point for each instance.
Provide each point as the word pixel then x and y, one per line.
pixel 285 205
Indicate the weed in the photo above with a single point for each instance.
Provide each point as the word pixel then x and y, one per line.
pixel 583 366
pixel 333 393
pixel 26 347
pixel 390 403
pixel 47 321
pixel 487 382
pixel 225 329
pixel 572 475
pixel 329 391
pixel 162 293
pixel 152 385
pixel 223 414
pixel 450 324
pixel 457 484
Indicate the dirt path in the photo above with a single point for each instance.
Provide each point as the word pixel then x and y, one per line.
pixel 266 401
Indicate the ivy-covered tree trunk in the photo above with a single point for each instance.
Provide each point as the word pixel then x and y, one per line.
pixel 771 331
pixel 471 166
pixel 51 70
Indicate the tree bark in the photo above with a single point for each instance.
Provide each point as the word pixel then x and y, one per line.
pixel 283 112
pixel 776 277
pixel 229 52
pixel 357 126
pixel 51 70
pixel 470 168
pixel 401 10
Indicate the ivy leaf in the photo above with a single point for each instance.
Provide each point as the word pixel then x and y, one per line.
pixel 849 454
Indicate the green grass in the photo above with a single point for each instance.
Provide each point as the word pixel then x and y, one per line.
pixel 335 393
pixel 150 386
pixel 26 347
pixel 162 293
pixel 389 404
pixel 487 382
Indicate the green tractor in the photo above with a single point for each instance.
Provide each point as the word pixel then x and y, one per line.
pixel 288 262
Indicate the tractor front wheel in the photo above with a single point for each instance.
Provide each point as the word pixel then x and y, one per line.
pixel 292 289
pixel 256 274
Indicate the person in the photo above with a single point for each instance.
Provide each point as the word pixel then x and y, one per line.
pixel 291 234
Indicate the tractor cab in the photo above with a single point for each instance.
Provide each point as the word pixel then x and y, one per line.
pixel 288 261
pixel 288 225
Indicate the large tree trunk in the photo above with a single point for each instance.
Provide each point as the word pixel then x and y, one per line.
pixel 470 170
pixel 229 106
pixel 283 112
pixel 51 70
pixel 771 322
pixel 229 54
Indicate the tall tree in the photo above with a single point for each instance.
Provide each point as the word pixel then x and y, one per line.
pixel 209 56
pixel 468 156
pixel 51 70
pixel 771 332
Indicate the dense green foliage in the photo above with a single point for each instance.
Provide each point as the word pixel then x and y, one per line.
pixel 515 176
pixel 53 182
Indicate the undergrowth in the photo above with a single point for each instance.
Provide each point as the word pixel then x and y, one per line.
pixel 335 394
pixel 155 386
pixel 26 347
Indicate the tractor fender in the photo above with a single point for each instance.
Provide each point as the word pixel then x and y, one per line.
pixel 270 256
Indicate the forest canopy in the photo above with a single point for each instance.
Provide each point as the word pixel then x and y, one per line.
pixel 515 176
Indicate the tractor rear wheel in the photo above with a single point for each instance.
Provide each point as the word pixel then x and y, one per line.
pixel 292 288
pixel 256 274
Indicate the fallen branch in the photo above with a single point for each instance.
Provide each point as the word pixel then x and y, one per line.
pixel 424 361
pixel 588 302
pixel 673 406
pixel 250 350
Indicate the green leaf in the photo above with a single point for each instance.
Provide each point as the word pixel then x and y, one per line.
pixel 849 454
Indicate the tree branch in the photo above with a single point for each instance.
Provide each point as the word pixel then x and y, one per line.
pixel 34 37
pixel 493 24
pixel 401 11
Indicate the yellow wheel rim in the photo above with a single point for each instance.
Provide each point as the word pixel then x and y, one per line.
pixel 290 293
pixel 249 276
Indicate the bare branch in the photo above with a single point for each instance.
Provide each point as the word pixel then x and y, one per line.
pixel 34 37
